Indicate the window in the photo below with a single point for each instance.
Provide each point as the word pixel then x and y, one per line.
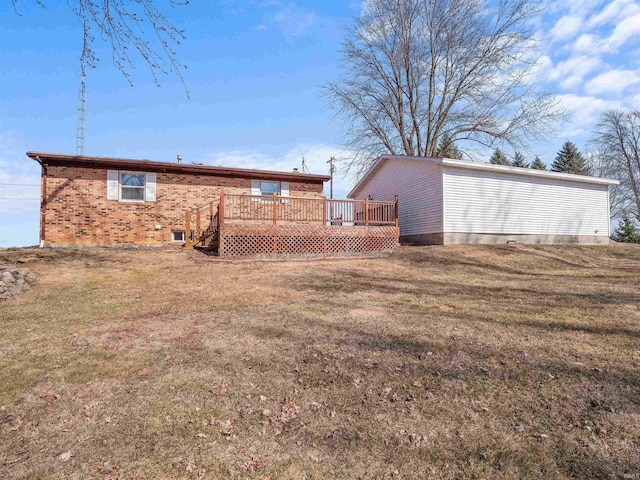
pixel 178 236
pixel 269 188
pixel 132 187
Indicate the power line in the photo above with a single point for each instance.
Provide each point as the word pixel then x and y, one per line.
pixel 21 184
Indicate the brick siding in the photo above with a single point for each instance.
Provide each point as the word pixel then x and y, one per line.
pixel 77 212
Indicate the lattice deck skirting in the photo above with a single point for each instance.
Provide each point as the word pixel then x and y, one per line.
pixel 241 239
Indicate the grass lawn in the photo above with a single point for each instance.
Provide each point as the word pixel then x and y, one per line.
pixel 501 362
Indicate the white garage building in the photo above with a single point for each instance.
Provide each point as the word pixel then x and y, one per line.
pixel 445 201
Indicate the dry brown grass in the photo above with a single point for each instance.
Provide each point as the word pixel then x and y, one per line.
pixel 442 362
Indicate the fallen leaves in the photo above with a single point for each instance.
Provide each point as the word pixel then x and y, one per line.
pixel 228 428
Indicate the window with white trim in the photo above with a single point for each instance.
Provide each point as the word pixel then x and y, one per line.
pixel 179 235
pixel 132 187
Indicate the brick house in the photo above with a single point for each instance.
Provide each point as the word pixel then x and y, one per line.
pixel 101 201
pixel 115 201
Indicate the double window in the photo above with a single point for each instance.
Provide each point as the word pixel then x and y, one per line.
pixel 132 187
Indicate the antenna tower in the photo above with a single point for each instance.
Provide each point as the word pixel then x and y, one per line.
pixel 82 113
pixel 305 169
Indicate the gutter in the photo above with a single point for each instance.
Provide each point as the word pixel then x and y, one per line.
pixel 43 199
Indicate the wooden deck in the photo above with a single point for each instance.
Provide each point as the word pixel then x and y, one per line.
pixel 246 225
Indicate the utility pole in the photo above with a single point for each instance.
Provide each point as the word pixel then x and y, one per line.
pixel 331 168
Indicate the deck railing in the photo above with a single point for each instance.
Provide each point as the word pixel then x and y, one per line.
pixel 279 209
pixel 289 210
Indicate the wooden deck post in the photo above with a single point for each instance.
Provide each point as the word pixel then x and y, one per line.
pixel 187 228
pixel 275 209
pixel 366 212
pixel 396 209
pixel 324 210
pixel 197 235
pixel 221 206
pixel 211 212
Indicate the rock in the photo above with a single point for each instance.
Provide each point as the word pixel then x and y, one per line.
pixel 7 278
pixel 14 280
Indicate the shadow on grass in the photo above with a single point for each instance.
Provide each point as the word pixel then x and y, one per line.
pixel 348 281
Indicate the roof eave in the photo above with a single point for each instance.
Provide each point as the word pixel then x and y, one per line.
pixel 463 164
pixel 133 164
pixel 528 172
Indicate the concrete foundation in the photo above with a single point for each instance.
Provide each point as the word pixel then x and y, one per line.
pixel 450 238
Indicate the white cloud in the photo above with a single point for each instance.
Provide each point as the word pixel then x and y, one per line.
pixel 614 12
pixel 613 81
pixel 571 72
pixel 566 27
pixel 583 112
pixel 581 7
pixel 315 156
pixel 586 43
pixel 624 31
pixel 294 21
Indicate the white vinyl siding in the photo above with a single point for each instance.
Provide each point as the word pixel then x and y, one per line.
pixel 419 189
pixel 478 201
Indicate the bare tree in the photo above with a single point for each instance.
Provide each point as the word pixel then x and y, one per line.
pixel 616 143
pixel 128 27
pixel 415 70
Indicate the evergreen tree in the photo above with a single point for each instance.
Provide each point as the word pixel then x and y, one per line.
pixel 626 231
pixel 519 161
pixel 498 158
pixel 538 164
pixel 569 160
pixel 447 149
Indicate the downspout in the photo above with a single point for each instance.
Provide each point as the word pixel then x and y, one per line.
pixel 43 199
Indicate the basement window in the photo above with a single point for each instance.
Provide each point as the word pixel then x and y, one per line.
pixel 132 187
pixel 179 235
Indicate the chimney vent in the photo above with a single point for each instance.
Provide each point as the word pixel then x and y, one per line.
pixel 179 157
pixel 295 170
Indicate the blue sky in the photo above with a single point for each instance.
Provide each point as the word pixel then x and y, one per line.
pixel 254 72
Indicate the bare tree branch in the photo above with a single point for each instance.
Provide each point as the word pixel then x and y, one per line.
pixel 616 143
pixel 126 27
pixel 416 70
